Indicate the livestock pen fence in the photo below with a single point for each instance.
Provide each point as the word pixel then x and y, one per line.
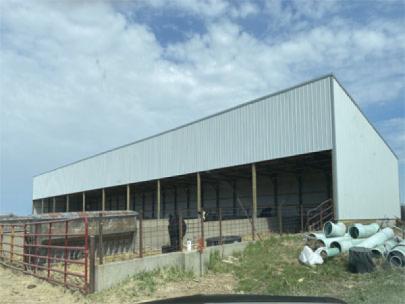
pixel 66 251
pixel 216 226
pixel 55 250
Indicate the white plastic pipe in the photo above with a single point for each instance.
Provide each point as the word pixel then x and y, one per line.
pixel 330 252
pixel 358 231
pixel 396 257
pixel 383 249
pixel 379 238
pixel 334 230
pixel 345 244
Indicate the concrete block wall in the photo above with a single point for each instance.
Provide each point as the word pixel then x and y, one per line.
pixel 110 274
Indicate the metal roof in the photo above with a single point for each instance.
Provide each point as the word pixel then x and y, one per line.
pixel 294 121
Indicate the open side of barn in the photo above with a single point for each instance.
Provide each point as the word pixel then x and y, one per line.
pixel 294 149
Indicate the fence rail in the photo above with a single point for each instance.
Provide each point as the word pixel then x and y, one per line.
pixel 44 250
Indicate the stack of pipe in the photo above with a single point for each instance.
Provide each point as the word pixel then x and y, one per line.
pixel 336 239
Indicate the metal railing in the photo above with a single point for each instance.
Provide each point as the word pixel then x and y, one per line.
pixel 316 217
pixel 49 250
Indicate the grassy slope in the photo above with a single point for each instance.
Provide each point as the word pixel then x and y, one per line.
pixel 272 267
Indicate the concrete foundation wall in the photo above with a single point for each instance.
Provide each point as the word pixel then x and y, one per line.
pixel 108 275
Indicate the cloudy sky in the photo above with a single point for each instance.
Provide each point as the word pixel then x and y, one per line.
pixel 78 78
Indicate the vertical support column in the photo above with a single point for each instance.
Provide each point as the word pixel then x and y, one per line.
pixel 143 204
pixel 300 201
pixel 175 201
pixel 42 206
pixel 128 197
pixel 100 239
pixel 217 196
pixel 199 193
pixel 234 198
pixel 188 200
pixel 158 198
pixel 163 203
pixel 54 204
pixel 254 200
pixel 67 203
pixel 275 191
pixel 153 204
pixel 103 199
pixel 84 201
pixel 141 234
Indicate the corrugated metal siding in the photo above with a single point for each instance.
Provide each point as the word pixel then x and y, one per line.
pixel 293 122
pixel 366 181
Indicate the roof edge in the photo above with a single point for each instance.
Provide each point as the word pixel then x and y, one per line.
pixel 364 115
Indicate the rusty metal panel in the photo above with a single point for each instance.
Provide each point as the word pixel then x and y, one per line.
pixel 291 122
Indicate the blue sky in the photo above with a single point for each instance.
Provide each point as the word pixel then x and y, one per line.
pixel 78 78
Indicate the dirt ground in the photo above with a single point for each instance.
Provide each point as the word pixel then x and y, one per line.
pixel 18 288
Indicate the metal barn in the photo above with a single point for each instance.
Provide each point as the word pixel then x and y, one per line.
pixel 275 158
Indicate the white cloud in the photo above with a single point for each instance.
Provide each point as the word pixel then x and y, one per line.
pixel 85 78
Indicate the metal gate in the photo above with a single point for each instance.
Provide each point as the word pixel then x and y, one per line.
pixel 56 250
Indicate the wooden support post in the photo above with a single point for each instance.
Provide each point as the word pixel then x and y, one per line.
pixel 100 239
pixel 12 243
pixel 217 196
pixel 180 233
pixel 300 202
pixel 67 203
pixel 143 204
pixel 220 226
pixel 158 198
pixel 234 198
pixel 92 264
pixel 199 193
pixel 134 234
pixel 163 203
pixel 275 191
pixel 141 234
pixel 302 217
pixel 175 200
pixel 84 201
pixel 42 206
pixel 54 204
pixel 280 219
pixel 153 204
pixel 188 200
pixel 254 200
pixel 103 199
pixel 128 197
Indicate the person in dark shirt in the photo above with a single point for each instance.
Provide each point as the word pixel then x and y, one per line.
pixel 174 230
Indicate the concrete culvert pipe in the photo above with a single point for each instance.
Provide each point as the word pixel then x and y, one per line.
pixel 334 230
pixel 358 231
